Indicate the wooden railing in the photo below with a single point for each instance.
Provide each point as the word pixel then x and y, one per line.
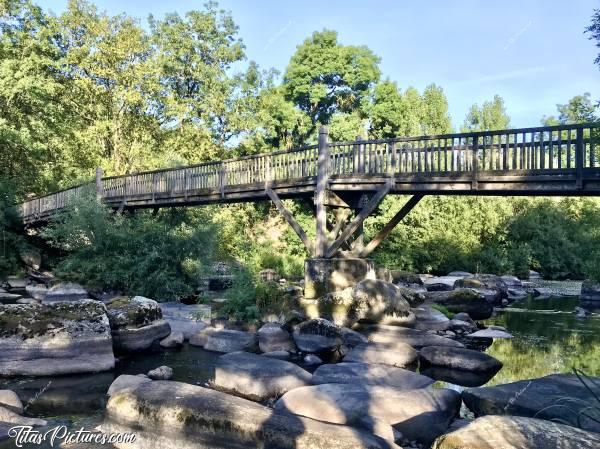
pixel 541 150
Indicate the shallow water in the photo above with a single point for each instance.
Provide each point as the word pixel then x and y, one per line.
pixel 548 338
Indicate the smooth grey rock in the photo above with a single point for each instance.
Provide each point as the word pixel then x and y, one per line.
pixel 185 318
pixel 428 318
pixel 466 300
pixel 8 416
pixel 413 337
pixel 126 382
pixel 419 415
pixel 369 374
pixel 139 339
pixel 213 417
pixel 9 297
pixel 464 326
pixel 460 274
pixel 590 291
pixel 10 401
pixel 311 360
pixel 136 323
pixel 462 316
pixel 16 283
pixel 441 283
pixel 540 398
pixel 516 293
pixel 490 333
pixel 37 291
pixel 317 335
pixel 351 338
pixel 400 355
pixel 256 377
pixel 405 277
pixel 173 340
pixel 272 337
pixel 281 355
pixel 27 301
pixel 65 292
pixel 62 338
pixel 161 373
pixel 511 432
pixel 201 337
pixel 487 282
pixel 459 358
pixel 511 281
pixel 230 341
pixel 542 293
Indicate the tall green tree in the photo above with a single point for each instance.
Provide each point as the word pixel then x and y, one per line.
pixel 594 32
pixel 579 109
pixel 325 77
pixel 487 117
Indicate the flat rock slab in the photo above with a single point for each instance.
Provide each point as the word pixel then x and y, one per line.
pixel 467 300
pixel 126 382
pixel 511 432
pixel 174 414
pixel 272 337
pixel 188 319
pixel 256 377
pixel 62 338
pixel 430 319
pixel 413 337
pixel 317 335
pixel 400 355
pixel 490 333
pixel 420 415
pixel 537 397
pixel 441 283
pixel 369 374
pixel 230 341
pixel 460 359
pixel 139 339
pixel 65 292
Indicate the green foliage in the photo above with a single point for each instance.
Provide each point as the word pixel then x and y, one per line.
pixel 324 76
pixel 9 239
pixel 241 303
pixel 488 117
pixel 594 31
pixel 579 109
pixel 160 257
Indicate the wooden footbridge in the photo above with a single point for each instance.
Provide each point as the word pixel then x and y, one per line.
pixel 352 178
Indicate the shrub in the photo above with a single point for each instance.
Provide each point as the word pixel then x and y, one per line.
pixel 156 256
pixel 9 239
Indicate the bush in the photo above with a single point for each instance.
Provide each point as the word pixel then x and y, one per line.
pixel 156 256
pixel 10 242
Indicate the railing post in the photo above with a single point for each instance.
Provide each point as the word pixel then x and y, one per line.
pixel 322 179
pixel 267 171
pixel 222 181
pixel 475 163
pixel 392 167
pixel 359 155
pixel 99 185
pixel 579 158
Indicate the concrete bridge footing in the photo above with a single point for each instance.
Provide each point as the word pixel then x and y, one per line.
pixel 322 276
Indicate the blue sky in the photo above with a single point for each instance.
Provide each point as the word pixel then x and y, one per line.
pixel 532 53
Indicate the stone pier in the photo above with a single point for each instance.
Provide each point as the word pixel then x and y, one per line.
pixel 322 276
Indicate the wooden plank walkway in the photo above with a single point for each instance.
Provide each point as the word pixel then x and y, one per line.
pixel 553 160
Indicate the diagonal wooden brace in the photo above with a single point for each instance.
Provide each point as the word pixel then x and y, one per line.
pixel 358 220
pixel 380 237
pixel 291 221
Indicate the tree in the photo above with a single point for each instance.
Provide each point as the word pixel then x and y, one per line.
pixel 579 109
pixel 594 31
pixel 488 117
pixel 325 77
pixel 435 118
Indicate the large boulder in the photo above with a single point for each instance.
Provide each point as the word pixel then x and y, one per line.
pixel 494 288
pixel 258 378
pixel 430 319
pixel 400 355
pixel 370 300
pixel 460 359
pixel 590 291
pixel 511 432
pixel 273 337
pixel 174 414
pixel 230 341
pixel 466 300
pixel 419 415
pixel 317 335
pixel 62 338
pixel 173 340
pixel 416 338
pixel 10 401
pixel 405 277
pixel 558 397
pixel 185 318
pixel 136 323
pixel 8 416
pixel 126 382
pixel 37 291
pixel 65 292
pixel 369 374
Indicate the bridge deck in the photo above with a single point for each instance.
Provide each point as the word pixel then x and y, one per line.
pixel 557 160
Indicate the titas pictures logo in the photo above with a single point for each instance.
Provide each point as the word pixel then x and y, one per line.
pixel 61 434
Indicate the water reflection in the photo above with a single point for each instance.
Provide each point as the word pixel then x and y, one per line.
pixel 548 339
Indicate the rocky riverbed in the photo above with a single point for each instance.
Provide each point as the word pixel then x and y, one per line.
pixel 394 372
